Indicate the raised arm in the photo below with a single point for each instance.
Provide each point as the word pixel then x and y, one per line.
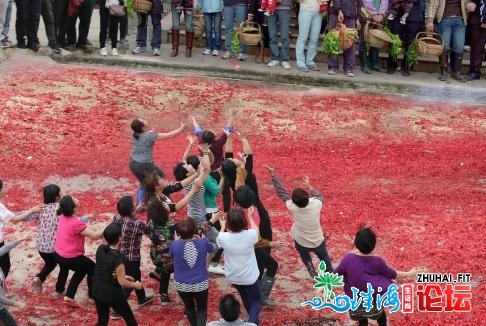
pixel 205 166
pixel 253 225
pixel 190 140
pixel 172 133
pixel 197 128
pixel 26 214
pixel 185 200
pixel 229 145
pixel 92 233
pixel 314 192
pixel 245 143
pixel 282 193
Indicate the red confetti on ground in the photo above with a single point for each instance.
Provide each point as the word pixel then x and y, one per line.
pixel 415 171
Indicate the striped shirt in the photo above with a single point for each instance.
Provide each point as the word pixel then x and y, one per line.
pixel 132 231
pixel 196 209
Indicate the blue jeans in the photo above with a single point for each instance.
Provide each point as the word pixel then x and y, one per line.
pixel 282 18
pixel 321 253
pixel 453 31
pixel 309 27
pixel 176 18
pixel 230 14
pixel 6 21
pixel 212 22
pixel 252 300
pixel 156 18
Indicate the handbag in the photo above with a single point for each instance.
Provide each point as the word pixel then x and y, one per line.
pixel 117 10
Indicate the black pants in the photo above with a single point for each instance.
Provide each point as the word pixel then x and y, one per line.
pixel 124 25
pixel 108 20
pixel 381 321
pixel 266 263
pixel 82 266
pixel 132 268
pixel 141 170
pixel 47 12
pixel 19 24
pixel 478 40
pixel 195 307
pixel 320 251
pixel 61 21
pixel 49 264
pixel 5 262
pixel 30 11
pixel 407 34
pixel 84 14
pixel 122 307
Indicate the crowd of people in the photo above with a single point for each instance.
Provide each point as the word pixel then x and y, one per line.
pixel 405 18
pixel 238 232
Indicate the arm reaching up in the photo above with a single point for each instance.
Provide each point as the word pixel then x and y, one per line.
pixel 314 192
pixel 282 193
pixel 172 133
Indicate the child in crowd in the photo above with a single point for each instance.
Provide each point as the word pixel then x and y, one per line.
pixel 360 268
pixel 212 10
pixel 395 6
pixel 229 308
pixel 5 316
pixel 5 217
pixel 132 231
pixel 46 238
pixel 109 279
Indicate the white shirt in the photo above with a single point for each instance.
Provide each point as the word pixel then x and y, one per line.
pixel 5 216
pixel 240 265
pixel 306 229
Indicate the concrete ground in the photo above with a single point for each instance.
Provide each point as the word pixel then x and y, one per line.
pixel 420 83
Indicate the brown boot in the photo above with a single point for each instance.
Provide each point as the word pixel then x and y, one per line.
pixel 266 55
pixel 258 54
pixel 175 43
pixel 189 38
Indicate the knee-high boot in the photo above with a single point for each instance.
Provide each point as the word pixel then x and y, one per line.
pixel 374 65
pixel 363 60
pixel 405 67
pixel 443 61
pixel 258 52
pixel 175 43
pixel 456 62
pixel 392 65
pixel 189 38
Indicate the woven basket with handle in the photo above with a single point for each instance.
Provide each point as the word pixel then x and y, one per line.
pixel 375 36
pixel 429 44
pixel 347 36
pixel 250 33
pixel 143 6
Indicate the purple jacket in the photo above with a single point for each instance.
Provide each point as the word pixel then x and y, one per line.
pixel 369 5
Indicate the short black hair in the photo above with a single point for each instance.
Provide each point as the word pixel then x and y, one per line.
pixel 112 233
pixel 180 172
pixel 229 168
pixel 1 184
pixel 157 212
pixel 236 220
pixel 365 240
pixel 186 229
pixel 208 136
pixel 137 126
pixel 229 308
pixel 125 206
pixel 245 196
pixel 194 161
pixel 300 197
pixel 50 193
pixel 66 206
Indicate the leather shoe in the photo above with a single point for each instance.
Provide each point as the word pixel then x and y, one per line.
pixel 472 76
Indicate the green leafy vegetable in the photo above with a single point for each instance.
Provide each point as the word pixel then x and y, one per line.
pixel 395 48
pixel 411 54
pixel 235 41
pixel 130 8
pixel 330 45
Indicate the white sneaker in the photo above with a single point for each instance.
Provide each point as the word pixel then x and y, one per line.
pixel 273 63
pixel 114 52
pixel 138 50
pixel 241 57
pixel 103 52
pixel 207 52
pixel 349 73
pixel 285 64
pixel 467 48
pixel 331 72
pixel 156 52
pixel 215 53
pixel 216 269
pixel 227 55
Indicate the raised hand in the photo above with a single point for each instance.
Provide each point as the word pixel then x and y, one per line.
pixel 305 181
pixel 191 139
pixel 270 169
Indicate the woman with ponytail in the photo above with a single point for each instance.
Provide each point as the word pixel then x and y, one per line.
pixel 69 247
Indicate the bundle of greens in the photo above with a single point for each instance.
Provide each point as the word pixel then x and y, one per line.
pixel 330 45
pixel 396 43
pixel 411 54
pixel 130 8
pixel 235 41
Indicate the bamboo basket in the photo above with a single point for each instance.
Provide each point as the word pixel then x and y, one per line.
pixel 346 39
pixel 429 44
pixel 376 37
pixel 143 6
pixel 250 33
pixel 198 25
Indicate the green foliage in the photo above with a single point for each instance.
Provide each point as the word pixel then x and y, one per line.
pixel 330 45
pixel 411 54
pixel 130 8
pixel 235 41
pixel 396 43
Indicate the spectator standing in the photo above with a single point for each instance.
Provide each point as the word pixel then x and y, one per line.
pixel 281 18
pixel 310 20
pixel 212 10
pixel 477 27
pixel 234 10
pixel 178 7
pixel 156 18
